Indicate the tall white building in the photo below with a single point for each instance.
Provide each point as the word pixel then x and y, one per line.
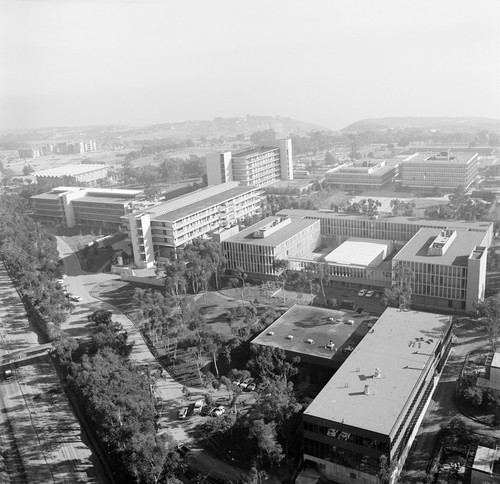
pixel 254 166
pixel 158 230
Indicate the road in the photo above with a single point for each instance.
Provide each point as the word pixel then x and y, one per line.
pixel 40 436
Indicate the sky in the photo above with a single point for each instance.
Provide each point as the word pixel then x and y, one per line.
pixel 329 62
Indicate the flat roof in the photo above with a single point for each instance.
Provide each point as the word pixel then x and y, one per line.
pixel 47 196
pixel 457 253
pixel 401 344
pixel 496 360
pixel 204 203
pixel 307 322
pixel 252 151
pixel 457 158
pixel 400 220
pixel 357 252
pixel 87 199
pixel 274 239
pixel 70 170
pixel 487 460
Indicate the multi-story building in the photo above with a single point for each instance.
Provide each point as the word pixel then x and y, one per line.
pixel 254 166
pixel 375 402
pixel 397 229
pixel 448 267
pixel 95 207
pixel 362 175
pixel 72 176
pixel 159 230
pixel 256 248
pixel 444 170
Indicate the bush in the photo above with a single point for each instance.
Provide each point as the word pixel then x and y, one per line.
pixel 473 395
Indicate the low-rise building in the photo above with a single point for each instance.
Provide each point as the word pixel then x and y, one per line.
pixel 256 248
pixel 486 466
pixel 362 175
pixel 374 403
pixel 72 176
pixel 94 207
pixel 321 338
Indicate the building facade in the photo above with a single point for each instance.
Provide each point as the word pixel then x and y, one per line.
pixel 374 404
pixel 256 248
pixel 398 229
pixel 95 207
pixel 72 176
pixel 444 170
pixel 254 166
pixel 448 267
pixel 361 175
pixel 159 230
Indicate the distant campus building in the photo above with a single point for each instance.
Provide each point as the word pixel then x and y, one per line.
pixel 361 175
pixel 72 176
pixel 96 207
pixel 255 166
pixel 67 147
pixel 444 170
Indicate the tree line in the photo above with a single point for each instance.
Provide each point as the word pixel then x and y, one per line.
pixel 31 255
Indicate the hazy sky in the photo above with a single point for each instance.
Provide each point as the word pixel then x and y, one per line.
pixel 331 62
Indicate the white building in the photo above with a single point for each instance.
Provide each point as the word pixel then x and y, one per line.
pixel 254 166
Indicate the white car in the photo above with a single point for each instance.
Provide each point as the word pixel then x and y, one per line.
pixel 75 298
pixel 60 282
pixel 369 293
pixel 218 411
pixel 362 292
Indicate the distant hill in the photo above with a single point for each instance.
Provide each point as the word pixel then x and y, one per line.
pixel 466 124
pixel 231 127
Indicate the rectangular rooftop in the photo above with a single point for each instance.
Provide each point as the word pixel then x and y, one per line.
pixel 401 345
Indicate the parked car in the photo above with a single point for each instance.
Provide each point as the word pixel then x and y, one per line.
pixel 60 282
pixel 75 298
pixel 183 413
pixel 251 387
pixel 362 292
pixel 183 449
pixel 246 382
pixel 8 374
pixel 237 382
pixel 198 406
pixel 218 411
pixel 369 293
